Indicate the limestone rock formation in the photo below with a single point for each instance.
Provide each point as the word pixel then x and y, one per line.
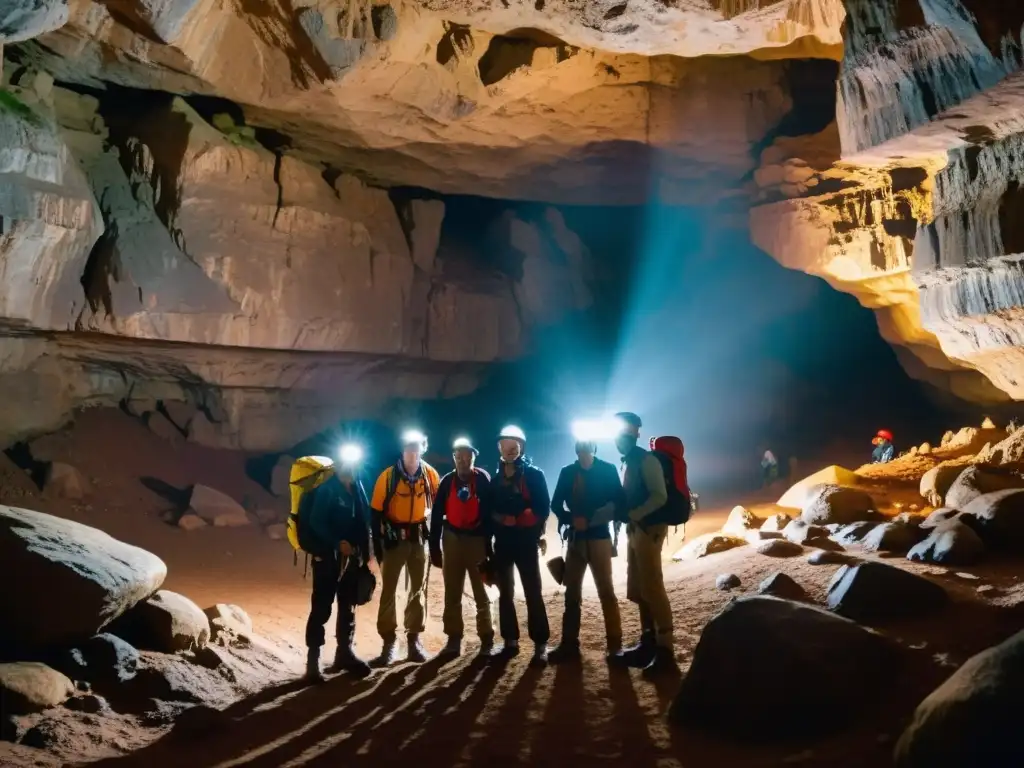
pixel 167 622
pixel 97 577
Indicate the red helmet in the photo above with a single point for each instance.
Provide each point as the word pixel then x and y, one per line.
pixel 884 434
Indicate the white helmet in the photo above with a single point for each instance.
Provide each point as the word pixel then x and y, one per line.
pixel 512 432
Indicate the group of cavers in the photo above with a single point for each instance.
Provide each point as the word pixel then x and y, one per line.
pixel 471 524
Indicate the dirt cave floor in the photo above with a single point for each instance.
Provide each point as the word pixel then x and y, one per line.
pixel 461 713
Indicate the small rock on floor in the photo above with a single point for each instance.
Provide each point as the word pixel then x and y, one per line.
pixel 727 581
pixel 780 548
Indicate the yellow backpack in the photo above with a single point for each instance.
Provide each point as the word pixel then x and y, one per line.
pixel 307 473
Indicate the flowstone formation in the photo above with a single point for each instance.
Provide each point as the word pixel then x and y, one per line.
pixel 244 209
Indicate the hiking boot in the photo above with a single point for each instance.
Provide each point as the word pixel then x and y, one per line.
pixel 614 653
pixel 387 655
pixel 313 673
pixel 345 660
pixel 640 655
pixel 564 652
pixel 453 647
pixel 663 662
pixel 540 656
pixel 415 653
pixel 509 650
pixel 486 647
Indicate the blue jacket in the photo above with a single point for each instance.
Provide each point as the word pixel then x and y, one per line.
pixel 337 514
pixel 594 493
pixel 508 499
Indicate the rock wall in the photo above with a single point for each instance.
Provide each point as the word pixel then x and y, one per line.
pixel 908 201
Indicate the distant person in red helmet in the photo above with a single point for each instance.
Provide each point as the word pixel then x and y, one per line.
pixel 884 449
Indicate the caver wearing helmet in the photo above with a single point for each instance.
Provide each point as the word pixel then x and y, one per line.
pixel 521 504
pixel 884 449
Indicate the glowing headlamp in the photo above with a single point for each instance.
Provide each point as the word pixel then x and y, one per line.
pixel 350 454
pixel 414 437
pixel 463 443
pixel 595 430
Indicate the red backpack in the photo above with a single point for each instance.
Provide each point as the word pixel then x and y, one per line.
pixel 670 452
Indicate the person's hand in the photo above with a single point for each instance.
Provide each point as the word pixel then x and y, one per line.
pixel 435 558
pixel 346 549
pixel 579 523
pixel 509 520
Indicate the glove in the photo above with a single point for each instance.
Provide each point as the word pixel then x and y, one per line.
pixel 436 559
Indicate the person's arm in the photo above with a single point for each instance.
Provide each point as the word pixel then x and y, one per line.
pixel 485 493
pixel 558 499
pixel 654 480
pixel 364 540
pixel 437 515
pixel 380 492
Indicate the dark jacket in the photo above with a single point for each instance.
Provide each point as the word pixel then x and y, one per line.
pixel 594 493
pixel 337 514
pixel 450 484
pixel 509 499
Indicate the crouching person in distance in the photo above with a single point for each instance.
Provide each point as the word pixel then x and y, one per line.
pixel 460 533
pixel 334 529
pixel 587 500
pixel 402 500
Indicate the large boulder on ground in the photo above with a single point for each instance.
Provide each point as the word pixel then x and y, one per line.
pixel 759 646
pixel 708 544
pixel 227 619
pixel 892 537
pixel 782 585
pixel 935 483
pixel 854 533
pixel 740 521
pixel 938 517
pixel 727 581
pixel 978 480
pixel 104 658
pixel 800 532
pixel 952 543
pixel 776 523
pixel 797 496
pixel 873 591
pixel 167 622
pixel 779 548
pixel 28 686
pixel 216 508
pixel 72 580
pixel 64 481
pixel 836 504
pixel 973 719
pixel 998 518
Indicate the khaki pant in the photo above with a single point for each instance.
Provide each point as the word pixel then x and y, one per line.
pixel 597 554
pixel 462 554
pixel 413 557
pixel 645 584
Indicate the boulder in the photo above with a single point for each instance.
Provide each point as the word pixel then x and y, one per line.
pixel 938 517
pixel 727 581
pixel 829 557
pixel 799 532
pixel 167 622
pixel 836 504
pixel 228 619
pixel 952 543
pixel 96 577
pixel 708 544
pixel 935 483
pixel 973 719
pixel 216 508
pixel 977 481
pixel 756 536
pixel 191 522
pixel 280 477
pixel 998 518
pixel 64 481
pixel 780 548
pixel 740 521
pixel 28 686
pixel 104 658
pixel 783 586
pixel 88 703
pixel 892 537
pixel 870 591
pixel 776 523
pixel 854 533
pixel 797 496
pixel 913 519
pixel 848 664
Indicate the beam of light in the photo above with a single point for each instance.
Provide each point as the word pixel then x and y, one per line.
pixel 413 437
pixel 596 430
pixel 350 454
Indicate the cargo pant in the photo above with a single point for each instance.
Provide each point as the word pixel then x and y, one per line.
pixel 462 554
pixel 597 554
pixel 515 551
pixel 645 583
pixel 410 556
pixel 330 586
